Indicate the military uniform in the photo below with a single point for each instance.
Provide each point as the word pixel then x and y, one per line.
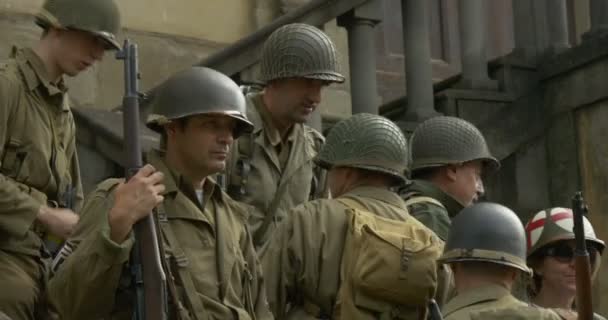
pixel 209 257
pixel 431 206
pixel 493 302
pixel 281 173
pixel 266 171
pixel 38 161
pixel 434 208
pixel 215 266
pixel 484 298
pixel 38 165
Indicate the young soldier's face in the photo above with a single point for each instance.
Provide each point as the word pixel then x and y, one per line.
pixel 75 51
pixel 466 184
pixel 298 98
pixel 203 142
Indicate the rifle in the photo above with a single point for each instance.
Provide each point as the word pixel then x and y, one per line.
pixel 582 264
pixel 147 274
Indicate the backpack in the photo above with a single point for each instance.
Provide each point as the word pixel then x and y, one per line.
pixel 388 269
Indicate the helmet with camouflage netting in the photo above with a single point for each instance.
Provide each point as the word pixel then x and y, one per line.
pixel 300 51
pixel 446 140
pixel 98 17
pixel 198 90
pixel 368 142
pixel 487 232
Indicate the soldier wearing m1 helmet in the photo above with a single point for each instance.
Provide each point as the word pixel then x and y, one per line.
pixel 272 168
pixel 40 184
pixel 304 264
pixel 448 158
pixel 212 267
pixel 486 250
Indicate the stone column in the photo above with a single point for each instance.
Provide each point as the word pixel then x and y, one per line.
pixel 557 26
pixel 524 25
pixel 360 23
pixel 473 45
pixel 418 69
pixel 599 18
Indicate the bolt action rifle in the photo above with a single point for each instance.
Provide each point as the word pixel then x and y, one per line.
pixel 147 274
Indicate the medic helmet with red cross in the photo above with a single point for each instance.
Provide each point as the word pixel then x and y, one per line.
pixel 556 224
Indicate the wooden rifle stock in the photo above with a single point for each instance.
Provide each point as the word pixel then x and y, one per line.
pixel 147 274
pixel 584 306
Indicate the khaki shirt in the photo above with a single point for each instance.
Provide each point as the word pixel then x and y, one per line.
pixel 38 161
pixel 288 175
pixel 216 250
pixel 490 297
pixel 302 263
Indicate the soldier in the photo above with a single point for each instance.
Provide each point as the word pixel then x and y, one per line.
pixel 40 185
pixel 449 156
pixel 213 269
pixel 486 249
pixel 551 257
pixel 305 262
pixel 272 168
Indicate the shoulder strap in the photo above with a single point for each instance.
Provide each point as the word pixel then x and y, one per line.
pixel 422 199
pixel 319 187
pixel 181 261
pixel 269 216
pixel 241 166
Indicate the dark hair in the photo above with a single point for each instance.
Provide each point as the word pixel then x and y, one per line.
pixel 181 124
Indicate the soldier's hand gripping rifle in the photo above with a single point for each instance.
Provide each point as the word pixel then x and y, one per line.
pixel 581 263
pixel 147 274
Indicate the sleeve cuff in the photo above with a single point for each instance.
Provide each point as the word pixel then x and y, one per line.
pixel 25 212
pixel 110 252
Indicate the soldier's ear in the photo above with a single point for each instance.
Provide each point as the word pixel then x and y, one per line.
pixel 450 172
pixel 170 128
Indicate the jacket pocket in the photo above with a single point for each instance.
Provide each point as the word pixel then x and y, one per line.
pixel 15 154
